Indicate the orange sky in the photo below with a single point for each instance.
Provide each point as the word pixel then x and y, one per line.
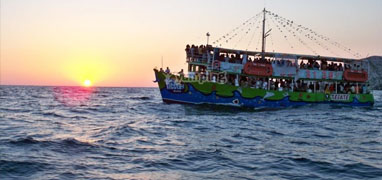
pixel 118 43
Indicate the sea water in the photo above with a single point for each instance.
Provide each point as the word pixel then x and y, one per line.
pixel 129 133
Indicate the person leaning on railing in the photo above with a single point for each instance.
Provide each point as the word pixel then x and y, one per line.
pixel 188 51
pixel 192 50
pixel 200 50
pixel 181 73
pixel 167 70
pixel 302 65
pixel 316 66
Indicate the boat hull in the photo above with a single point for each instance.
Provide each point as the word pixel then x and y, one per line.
pixel 173 89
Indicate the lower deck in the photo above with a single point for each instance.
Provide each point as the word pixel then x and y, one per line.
pixel 173 90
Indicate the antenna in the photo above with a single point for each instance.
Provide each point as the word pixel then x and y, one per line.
pixel 208 37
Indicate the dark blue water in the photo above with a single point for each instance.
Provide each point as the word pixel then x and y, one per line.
pixel 128 133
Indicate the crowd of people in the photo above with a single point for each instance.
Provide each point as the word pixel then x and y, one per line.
pixel 202 53
pixel 276 84
pixel 197 53
pixel 299 86
pixel 314 65
pixel 167 71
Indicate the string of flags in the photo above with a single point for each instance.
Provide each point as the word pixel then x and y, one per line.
pixel 227 37
pixel 313 35
pixel 293 34
pixel 289 30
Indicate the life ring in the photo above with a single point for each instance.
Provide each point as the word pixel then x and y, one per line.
pixel 355 75
pixel 258 69
pixel 235 101
pixel 216 65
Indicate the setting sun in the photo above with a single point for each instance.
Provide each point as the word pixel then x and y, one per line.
pixel 87 83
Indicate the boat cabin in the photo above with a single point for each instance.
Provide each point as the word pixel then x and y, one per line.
pixel 277 71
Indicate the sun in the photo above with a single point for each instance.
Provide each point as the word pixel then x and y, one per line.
pixel 87 83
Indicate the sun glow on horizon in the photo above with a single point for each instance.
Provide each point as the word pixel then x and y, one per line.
pixel 87 68
pixel 87 83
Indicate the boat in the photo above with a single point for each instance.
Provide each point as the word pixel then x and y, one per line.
pixel 260 79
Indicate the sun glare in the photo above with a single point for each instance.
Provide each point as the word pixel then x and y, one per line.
pixel 87 83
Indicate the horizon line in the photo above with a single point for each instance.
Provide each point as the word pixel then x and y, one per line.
pixel 77 86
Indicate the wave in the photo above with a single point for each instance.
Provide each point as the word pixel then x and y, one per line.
pixel 125 130
pixel 79 111
pixel 140 98
pixel 133 128
pixel 75 143
pixel 24 141
pixel 53 114
pixel 66 143
pixel 20 169
pixel 15 110
pixel 353 170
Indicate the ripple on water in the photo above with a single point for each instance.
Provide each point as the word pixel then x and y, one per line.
pixel 129 133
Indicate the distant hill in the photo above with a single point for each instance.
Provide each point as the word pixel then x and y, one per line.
pixel 375 74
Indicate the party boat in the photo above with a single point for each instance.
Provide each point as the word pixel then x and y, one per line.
pixel 260 79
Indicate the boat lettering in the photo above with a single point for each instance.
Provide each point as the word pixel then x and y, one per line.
pixel 339 97
pixel 319 74
pixel 171 84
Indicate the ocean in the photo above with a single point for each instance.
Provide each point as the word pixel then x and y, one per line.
pixel 129 133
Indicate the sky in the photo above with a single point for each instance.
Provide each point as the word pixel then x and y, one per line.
pixel 118 42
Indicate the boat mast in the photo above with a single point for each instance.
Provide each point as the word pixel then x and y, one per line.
pixel 263 42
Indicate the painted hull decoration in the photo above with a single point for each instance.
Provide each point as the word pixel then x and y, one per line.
pixel 224 94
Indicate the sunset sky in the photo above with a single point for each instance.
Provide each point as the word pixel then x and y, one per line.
pixel 119 42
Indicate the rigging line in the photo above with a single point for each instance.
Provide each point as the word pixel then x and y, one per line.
pixel 327 39
pixel 296 37
pixel 346 49
pixel 311 38
pixel 338 45
pixel 316 39
pixel 307 34
pixel 228 34
pixel 253 35
pixel 271 36
pixel 242 37
pixel 238 27
pixel 250 28
pixel 282 33
pixel 258 47
pixel 246 33
pixel 238 32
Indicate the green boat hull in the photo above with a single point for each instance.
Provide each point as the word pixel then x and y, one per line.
pixel 183 90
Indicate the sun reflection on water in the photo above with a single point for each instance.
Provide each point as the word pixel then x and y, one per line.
pixel 73 96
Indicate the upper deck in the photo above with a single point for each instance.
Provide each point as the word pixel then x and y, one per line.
pixel 275 65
